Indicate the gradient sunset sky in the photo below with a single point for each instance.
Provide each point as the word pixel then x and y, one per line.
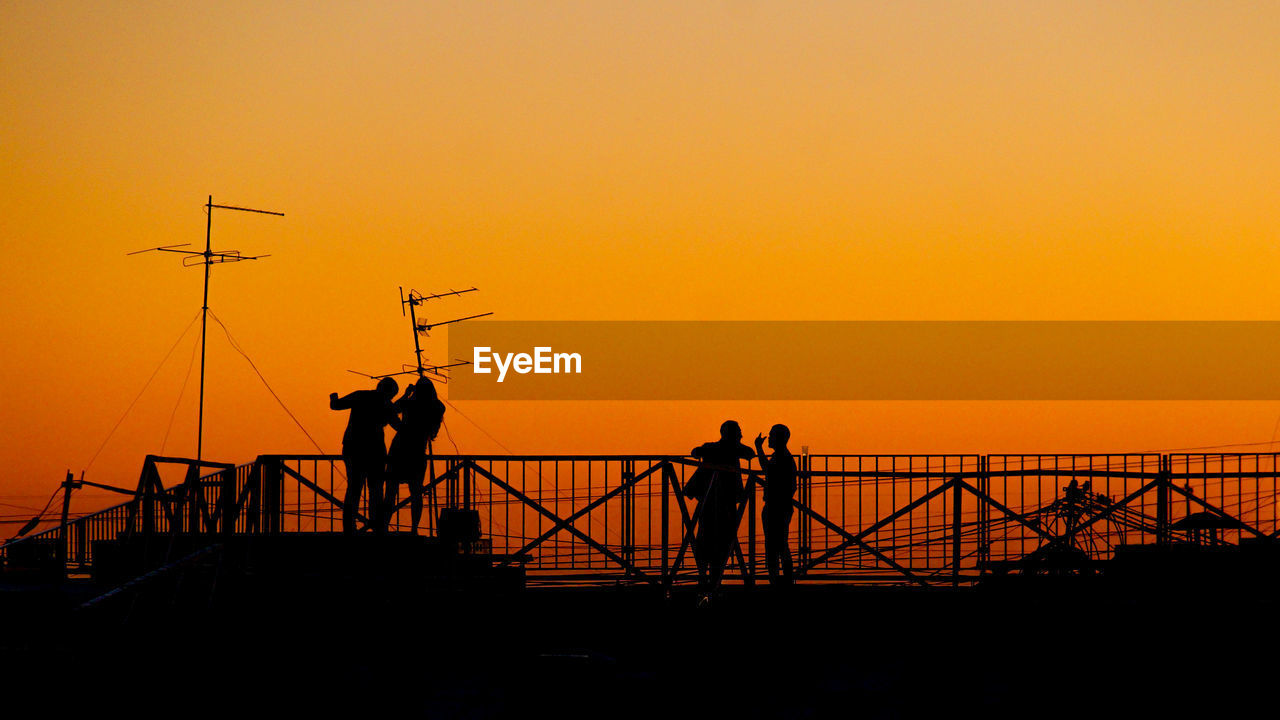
pixel 610 160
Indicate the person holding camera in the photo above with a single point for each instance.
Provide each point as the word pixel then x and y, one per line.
pixel 779 489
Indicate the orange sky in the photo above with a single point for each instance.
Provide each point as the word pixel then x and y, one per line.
pixel 593 160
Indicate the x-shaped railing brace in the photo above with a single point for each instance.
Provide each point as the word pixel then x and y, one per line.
pixel 630 567
pixel 564 523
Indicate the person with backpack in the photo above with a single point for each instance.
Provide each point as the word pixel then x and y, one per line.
pixel 421 415
pixel 717 485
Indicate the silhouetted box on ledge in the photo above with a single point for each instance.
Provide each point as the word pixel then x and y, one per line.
pixel 288 576
pixel 1199 569
pixel 119 560
pixel 34 558
pixel 315 560
pixel 458 527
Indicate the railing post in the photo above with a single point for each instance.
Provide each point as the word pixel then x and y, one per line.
pixel 148 498
pixel 628 512
pixel 751 529
pixel 81 544
pixel 984 513
pixel 253 505
pixel 806 523
pixel 1162 501
pixel 667 473
pixel 193 496
pixel 63 537
pixel 227 502
pixel 272 490
pixel 956 496
pixel 466 486
pixel 451 487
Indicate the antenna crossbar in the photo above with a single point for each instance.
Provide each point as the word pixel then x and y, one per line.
pixel 411 301
pixel 417 298
pixel 424 327
pixel 245 209
pixel 432 369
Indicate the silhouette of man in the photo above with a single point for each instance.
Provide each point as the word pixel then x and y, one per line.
pixel 421 414
pixel 722 487
pixel 364 449
pixel 779 489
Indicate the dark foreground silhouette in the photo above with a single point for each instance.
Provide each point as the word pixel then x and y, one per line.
pixel 604 653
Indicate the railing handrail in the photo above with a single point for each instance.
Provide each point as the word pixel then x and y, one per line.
pixel 267 497
pixel 205 480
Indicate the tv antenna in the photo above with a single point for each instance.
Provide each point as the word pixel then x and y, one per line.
pixel 206 258
pixel 422 372
pixel 412 301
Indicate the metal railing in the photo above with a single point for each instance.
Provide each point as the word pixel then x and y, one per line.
pixel 919 519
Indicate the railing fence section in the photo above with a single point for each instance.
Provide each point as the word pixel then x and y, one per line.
pixel 917 519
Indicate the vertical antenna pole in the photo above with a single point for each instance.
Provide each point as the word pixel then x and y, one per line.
pixel 63 538
pixel 206 258
pixel 204 321
pixel 417 344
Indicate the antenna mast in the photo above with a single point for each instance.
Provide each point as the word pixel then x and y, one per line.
pixel 412 301
pixel 207 258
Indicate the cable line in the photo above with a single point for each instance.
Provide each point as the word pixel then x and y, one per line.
pixel 236 346
pixel 140 392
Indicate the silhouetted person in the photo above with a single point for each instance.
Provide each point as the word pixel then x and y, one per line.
pixel 722 487
pixel 421 414
pixel 779 489
pixel 364 449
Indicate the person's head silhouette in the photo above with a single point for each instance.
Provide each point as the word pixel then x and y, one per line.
pixel 730 432
pixel 778 436
pixel 389 387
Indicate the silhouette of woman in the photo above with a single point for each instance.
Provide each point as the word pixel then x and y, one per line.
pixel 721 489
pixel 421 416
pixel 364 449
